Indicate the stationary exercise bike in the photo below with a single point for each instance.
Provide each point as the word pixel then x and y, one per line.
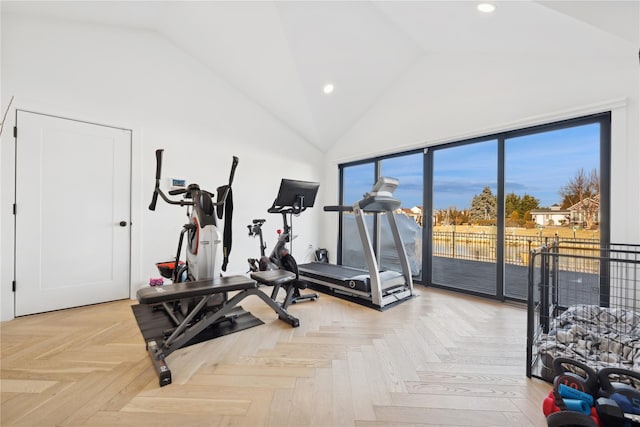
pixel 294 197
pixel 279 257
pixel 263 263
pixel 203 259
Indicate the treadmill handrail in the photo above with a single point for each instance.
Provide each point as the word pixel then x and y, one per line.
pixel 379 200
pixel 338 208
pixel 375 204
pixel 379 204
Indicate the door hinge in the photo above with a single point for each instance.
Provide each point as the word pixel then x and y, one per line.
pixel 13 286
pixel 14 208
pixel 15 131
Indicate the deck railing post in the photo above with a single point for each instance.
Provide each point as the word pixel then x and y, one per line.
pixel 453 244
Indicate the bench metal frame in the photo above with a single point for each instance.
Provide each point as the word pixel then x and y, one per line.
pixel 187 329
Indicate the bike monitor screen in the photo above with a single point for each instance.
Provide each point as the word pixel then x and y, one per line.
pixel 293 192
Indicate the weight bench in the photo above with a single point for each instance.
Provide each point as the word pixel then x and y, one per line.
pixel 283 279
pixel 196 319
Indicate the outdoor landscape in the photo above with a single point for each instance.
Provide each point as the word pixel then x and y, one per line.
pixel 471 233
pixel 551 180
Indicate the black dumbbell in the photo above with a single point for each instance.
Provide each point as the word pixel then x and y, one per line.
pixel 625 395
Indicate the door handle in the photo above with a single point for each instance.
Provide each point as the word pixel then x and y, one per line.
pixel 123 223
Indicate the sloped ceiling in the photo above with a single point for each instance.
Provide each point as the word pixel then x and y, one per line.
pixel 281 54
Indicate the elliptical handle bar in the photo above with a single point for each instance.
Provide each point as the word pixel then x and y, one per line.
pixel 154 198
pixel 223 191
pixel 159 163
pixel 157 190
pixel 234 165
pixel 177 192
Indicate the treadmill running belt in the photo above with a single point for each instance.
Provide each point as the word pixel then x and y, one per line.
pixel 339 272
pixel 345 277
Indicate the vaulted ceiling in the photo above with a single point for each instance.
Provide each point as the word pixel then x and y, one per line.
pixel 281 54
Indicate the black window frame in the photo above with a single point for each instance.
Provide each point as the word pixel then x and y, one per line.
pixel 603 118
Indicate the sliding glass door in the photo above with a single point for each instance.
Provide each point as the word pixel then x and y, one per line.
pixel 356 180
pixel 552 187
pixel 408 169
pixel 464 198
pixel 487 201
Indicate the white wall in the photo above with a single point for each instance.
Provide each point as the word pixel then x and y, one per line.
pixel 447 98
pixel 3 283
pixel 139 80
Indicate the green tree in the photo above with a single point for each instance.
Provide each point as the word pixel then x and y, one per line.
pixel 483 206
pixel 511 204
pixel 523 205
pixel 527 204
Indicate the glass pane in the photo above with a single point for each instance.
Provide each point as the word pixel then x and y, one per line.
pixel 409 171
pixel 551 189
pixel 464 209
pixel 357 180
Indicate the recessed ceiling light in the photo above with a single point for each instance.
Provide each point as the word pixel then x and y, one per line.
pixel 486 7
pixel 328 88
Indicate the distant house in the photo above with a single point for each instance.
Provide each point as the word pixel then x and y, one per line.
pixel 586 212
pixel 414 212
pixel 551 216
pixel 576 214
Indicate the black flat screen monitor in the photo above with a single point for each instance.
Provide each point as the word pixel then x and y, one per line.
pixel 297 194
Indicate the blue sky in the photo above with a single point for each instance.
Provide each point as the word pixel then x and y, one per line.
pixel 538 165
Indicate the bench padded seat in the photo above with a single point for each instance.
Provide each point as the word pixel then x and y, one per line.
pixel 273 277
pixel 177 291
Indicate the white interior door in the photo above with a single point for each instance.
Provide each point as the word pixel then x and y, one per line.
pixel 73 191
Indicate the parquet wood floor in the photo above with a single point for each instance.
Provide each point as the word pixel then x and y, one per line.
pixel 440 359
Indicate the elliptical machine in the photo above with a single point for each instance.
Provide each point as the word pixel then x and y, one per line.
pixel 202 305
pixel 203 260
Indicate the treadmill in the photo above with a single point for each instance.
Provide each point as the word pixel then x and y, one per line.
pixel 371 287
